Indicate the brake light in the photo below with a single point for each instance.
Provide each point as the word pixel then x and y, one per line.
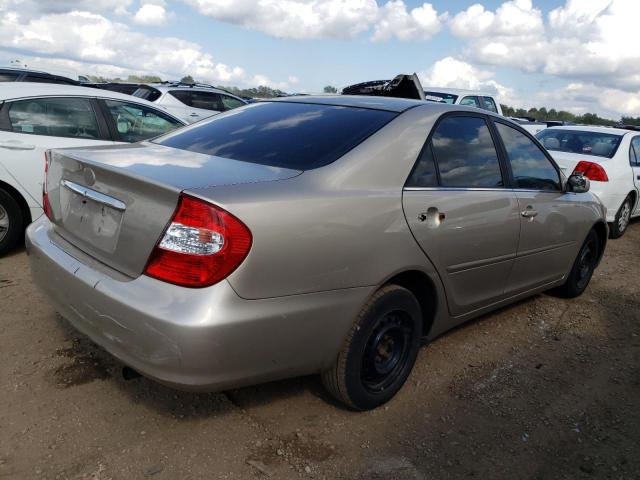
pixel 201 246
pixel 591 170
pixel 46 206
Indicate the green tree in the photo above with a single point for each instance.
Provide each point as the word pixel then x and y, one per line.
pixel 188 79
pixel 330 89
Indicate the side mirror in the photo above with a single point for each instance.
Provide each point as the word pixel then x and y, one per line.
pixel 578 183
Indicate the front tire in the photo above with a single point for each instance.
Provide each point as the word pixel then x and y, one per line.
pixel 379 351
pixel 583 267
pixel 12 222
pixel 623 217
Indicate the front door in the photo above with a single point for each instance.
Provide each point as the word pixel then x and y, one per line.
pixel 465 220
pixel 549 217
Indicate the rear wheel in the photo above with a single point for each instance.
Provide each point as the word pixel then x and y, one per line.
pixel 379 351
pixel 11 222
pixel 583 268
pixel 621 222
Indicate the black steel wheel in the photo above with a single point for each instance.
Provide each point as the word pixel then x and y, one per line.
pixel 583 267
pixel 379 352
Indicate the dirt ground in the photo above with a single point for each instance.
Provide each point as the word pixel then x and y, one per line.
pixel 545 389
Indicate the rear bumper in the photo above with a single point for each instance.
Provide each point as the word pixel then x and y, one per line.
pixel 611 200
pixel 203 339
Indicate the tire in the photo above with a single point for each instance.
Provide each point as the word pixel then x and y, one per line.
pixel 583 268
pixel 621 222
pixel 379 351
pixel 12 222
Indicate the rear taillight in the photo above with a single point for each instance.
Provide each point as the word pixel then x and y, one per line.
pixel 593 171
pixel 202 245
pixel 46 206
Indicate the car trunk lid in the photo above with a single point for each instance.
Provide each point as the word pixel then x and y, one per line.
pixel 568 161
pixel 114 203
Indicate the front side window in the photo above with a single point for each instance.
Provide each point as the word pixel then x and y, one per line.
pixel 56 117
pixel 470 102
pixel 136 122
pixel 465 154
pixel 230 103
pixel 489 104
pixel 634 152
pixel 281 134
pixel 582 142
pixel 531 169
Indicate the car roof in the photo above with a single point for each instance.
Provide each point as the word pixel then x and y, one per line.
pixel 458 91
pixel 585 128
pixel 390 104
pixel 17 90
pixel 196 88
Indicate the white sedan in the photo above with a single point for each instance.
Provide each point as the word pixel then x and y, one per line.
pixel 609 158
pixel 35 117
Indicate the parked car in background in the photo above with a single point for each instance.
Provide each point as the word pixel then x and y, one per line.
pixel 609 158
pixel 190 102
pixel 308 235
pixel 408 86
pixel 36 117
pixel 10 74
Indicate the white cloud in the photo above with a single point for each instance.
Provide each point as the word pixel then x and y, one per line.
pixel 394 20
pixel 33 8
pixel 78 39
pixel 341 19
pixel 589 42
pixel 450 72
pixel 151 14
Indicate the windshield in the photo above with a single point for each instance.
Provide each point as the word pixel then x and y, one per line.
pixel 300 136
pixel 441 97
pixel 582 142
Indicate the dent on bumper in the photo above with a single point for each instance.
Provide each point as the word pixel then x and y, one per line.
pixel 191 338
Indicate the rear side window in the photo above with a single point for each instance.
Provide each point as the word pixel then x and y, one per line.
pixel 489 104
pixel 470 102
pixel 195 99
pixel 48 79
pixel 229 103
pixel 280 134
pixel 147 93
pixel 634 152
pixel 465 154
pixel 136 122
pixel 8 76
pixel 424 174
pixel 56 117
pixel 531 168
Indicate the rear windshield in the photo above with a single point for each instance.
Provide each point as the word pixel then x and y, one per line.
pixel 279 134
pixel 441 97
pixel 576 141
pixel 147 93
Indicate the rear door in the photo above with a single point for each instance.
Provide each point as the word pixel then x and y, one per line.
pixel 199 104
pixel 30 126
pixel 548 216
pixel 634 158
pixel 461 213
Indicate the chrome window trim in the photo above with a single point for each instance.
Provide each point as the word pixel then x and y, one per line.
pixel 94 195
pixel 477 189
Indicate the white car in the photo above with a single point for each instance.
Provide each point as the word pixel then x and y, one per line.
pixel 469 98
pixel 609 158
pixel 35 117
pixel 190 102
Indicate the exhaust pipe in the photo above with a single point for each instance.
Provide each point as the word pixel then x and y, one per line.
pixel 129 373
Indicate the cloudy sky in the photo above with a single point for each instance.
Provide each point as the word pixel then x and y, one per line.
pixel 579 55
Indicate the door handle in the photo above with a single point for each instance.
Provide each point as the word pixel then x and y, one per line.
pixel 529 212
pixel 15 145
pixel 432 216
pixel 194 114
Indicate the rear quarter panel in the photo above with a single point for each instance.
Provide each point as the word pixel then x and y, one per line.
pixel 339 226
